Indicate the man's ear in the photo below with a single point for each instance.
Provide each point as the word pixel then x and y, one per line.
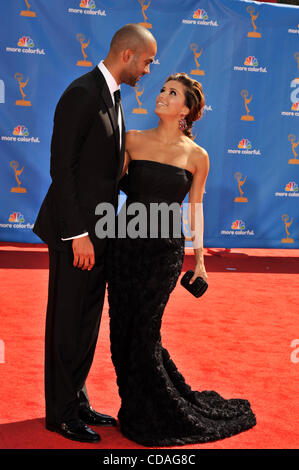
pixel 127 55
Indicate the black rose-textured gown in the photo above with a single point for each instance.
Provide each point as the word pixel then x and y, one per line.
pixel 158 408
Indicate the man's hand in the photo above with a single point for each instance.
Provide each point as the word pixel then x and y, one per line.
pixel 83 253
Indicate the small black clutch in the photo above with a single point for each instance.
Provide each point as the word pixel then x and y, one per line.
pixel 198 287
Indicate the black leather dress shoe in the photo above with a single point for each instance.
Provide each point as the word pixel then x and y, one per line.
pixel 92 417
pixel 76 430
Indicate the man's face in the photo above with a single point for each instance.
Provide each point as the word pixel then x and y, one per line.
pixel 139 64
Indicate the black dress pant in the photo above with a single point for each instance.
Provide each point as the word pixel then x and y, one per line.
pixel 75 302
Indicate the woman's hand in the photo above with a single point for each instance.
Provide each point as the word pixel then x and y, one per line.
pixel 199 270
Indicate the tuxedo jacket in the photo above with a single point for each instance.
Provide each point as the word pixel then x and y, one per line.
pixel 86 163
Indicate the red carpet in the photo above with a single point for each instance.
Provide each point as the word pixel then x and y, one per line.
pixel 236 340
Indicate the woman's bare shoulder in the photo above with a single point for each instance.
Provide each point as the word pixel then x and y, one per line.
pixel 134 136
pixel 199 152
pixel 199 157
pixel 135 133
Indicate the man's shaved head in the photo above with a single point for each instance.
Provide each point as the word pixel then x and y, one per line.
pixel 131 36
pixel 132 51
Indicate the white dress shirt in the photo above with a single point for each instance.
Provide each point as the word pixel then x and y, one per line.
pixel 113 86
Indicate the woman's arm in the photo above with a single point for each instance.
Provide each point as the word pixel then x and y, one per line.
pixel 195 211
pixel 132 141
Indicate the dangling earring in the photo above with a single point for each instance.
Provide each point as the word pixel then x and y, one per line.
pixel 183 124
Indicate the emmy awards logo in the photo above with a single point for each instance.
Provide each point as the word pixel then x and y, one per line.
pixel 28 12
pixel 285 218
pixel 295 160
pixel 144 8
pixel 139 110
pixel 15 165
pixel 240 198
pixel 84 45
pixel 247 117
pixel 254 33
pixel 19 77
pixel 196 71
pixel 296 55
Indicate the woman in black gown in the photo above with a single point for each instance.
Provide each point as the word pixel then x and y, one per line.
pixel 158 408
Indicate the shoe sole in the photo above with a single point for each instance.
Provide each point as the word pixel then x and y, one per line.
pixel 102 425
pixel 53 429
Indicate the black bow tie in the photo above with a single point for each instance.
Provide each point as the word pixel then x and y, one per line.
pixel 116 100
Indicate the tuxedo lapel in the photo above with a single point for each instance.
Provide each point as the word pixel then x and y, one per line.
pixel 110 106
pixel 123 138
pixel 105 93
pixel 123 124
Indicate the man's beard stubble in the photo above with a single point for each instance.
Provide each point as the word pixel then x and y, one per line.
pixel 128 76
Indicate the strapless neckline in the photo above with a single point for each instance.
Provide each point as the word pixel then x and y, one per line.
pixel 155 162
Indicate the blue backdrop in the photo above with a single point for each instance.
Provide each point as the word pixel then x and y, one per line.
pixel 245 54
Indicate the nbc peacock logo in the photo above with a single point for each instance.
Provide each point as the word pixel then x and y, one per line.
pixel 245 147
pixel 16 217
pixel 87 7
pixel 250 64
pixel 200 14
pixel 25 41
pixel 238 225
pixel 244 144
pixel 238 228
pixel 25 45
pixel 200 17
pixel 251 60
pixel 17 221
pixel 290 190
pixel 21 131
pixel 88 4
pixel 20 134
pixel 291 187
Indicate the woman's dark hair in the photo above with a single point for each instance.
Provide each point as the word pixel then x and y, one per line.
pixel 194 99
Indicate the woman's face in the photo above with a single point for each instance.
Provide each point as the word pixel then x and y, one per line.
pixel 171 100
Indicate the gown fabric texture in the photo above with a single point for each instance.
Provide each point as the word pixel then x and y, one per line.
pixel 158 408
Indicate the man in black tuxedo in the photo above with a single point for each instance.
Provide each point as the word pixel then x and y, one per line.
pixel 87 156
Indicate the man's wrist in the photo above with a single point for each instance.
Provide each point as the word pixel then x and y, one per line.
pixel 76 236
